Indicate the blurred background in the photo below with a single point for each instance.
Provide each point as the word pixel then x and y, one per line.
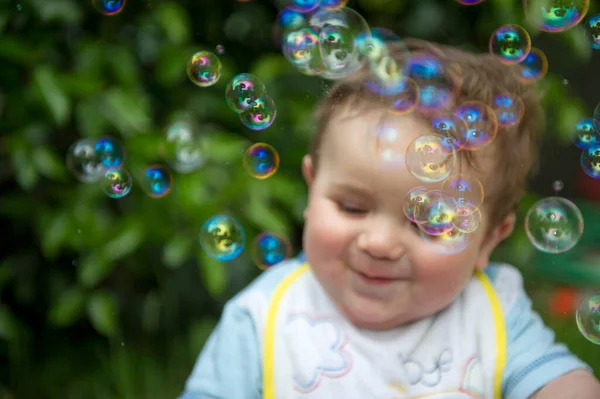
pixel 114 298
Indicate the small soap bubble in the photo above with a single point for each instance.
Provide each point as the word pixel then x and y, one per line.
pixel 585 134
pixel 436 216
pixel 565 82
pixel 511 43
pixel 452 128
pixel 509 109
pixel 470 2
pixel 302 6
pixel 261 161
pixel 407 97
pixel 260 115
pixel 157 181
pixel 554 225
pixel 588 317
pixel 385 144
pixel 449 243
pixel 117 182
pixel 555 15
pixel 269 249
pixel 590 160
pixel 593 27
pixel 110 151
pixel 222 238
pixel 534 67
pixel 243 91
pixel 467 192
pixel 415 199
pixel 185 147
pixel 204 69
pixel 333 4
pixel 220 49
pixel 389 79
pixel 84 162
pixel 467 223
pixel 109 7
pixel 289 21
pixel 482 124
pixel 596 118
pixel 430 159
pixel 557 185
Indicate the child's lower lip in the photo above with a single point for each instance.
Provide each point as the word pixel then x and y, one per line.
pixel 375 280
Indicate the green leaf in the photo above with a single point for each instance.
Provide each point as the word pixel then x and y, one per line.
pixel 25 171
pixel 55 233
pixel 48 163
pixel 177 251
pixel 171 64
pixel 90 122
pixel 258 211
pixel 103 313
pixel 126 242
pixel 93 268
pixel 68 308
pixel 54 98
pixel 174 21
pixel 123 64
pixel 128 112
pixel 213 273
pixel 9 325
pixel 151 312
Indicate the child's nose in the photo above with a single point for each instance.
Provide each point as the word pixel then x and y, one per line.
pixel 382 241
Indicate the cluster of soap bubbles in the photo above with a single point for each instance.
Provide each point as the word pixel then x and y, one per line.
pixel 102 160
pixel 586 136
pixel 223 238
pixel 247 96
pixel 109 7
pixel 445 217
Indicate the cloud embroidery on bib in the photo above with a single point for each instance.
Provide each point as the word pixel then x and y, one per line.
pixel 317 347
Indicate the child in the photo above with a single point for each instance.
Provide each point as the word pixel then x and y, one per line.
pixel 374 307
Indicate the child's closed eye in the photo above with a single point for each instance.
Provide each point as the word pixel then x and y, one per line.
pixel 351 208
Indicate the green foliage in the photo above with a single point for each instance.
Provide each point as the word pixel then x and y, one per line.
pixel 103 298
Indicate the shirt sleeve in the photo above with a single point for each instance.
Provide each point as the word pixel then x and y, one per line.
pixel 533 357
pixel 228 366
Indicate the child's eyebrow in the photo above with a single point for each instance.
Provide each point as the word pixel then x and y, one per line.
pixel 352 188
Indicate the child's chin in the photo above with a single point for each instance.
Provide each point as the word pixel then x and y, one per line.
pixel 370 318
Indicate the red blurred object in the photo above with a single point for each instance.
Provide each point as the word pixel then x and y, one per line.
pixel 563 302
pixel 587 187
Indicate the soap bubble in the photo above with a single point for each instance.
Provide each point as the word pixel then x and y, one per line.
pixel 301 49
pixel 557 185
pixel 590 160
pixel 204 69
pixel 260 115
pixel 185 147
pixel 555 15
pixel 534 67
pixel 222 238
pixel 436 216
pixel 220 49
pixel 482 124
pixel 415 199
pixel 333 4
pixel 585 134
pixel 302 6
pixel 509 109
pixel 452 128
pixel 117 182
pixel 430 159
pixel 407 97
pixel 110 151
pixel 593 26
pixel 467 222
pixel 588 317
pixel 470 2
pixel 157 181
pixel 269 249
pixel 449 243
pixel 261 161
pixel 511 43
pixel 242 91
pixel 466 190
pixel 596 118
pixel 289 20
pixel 84 162
pixel 385 144
pixel 554 225
pixel 109 7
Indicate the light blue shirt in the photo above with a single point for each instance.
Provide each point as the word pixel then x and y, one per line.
pixel 229 366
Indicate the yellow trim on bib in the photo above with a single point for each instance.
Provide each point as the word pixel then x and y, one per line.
pixel 269 339
pixel 500 327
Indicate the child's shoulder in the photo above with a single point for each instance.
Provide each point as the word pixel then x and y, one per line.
pixel 507 283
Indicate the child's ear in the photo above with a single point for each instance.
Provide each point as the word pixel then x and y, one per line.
pixel 308 170
pixel 497 235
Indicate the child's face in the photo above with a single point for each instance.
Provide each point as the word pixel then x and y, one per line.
pixel 370 259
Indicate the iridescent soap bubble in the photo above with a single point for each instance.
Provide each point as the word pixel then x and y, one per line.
pixel 109 7
pixel 482 124
pixel 466 190
pixel 375 44
pixel 436 216
pixel 302 6
pixel 301 49
pixel 84 162
pixel 555 15
pixel 242 92
pixel 439 83
pixel 511 43
pixel 260 115
pixel 509 109
pixel 261 161
pixel 557 185
pixel 269 249
pixel 585 134
pixel 470 2
pixel 388 79
pixel 430 159
pixel 534 67
pixel 289 20
pixel 452 128
pixel 593 27
pixel 185 147
pixel 222 238
pixel 333 4
pixel 220 49
pixel 204 69
pixel 449 243
pixel 554 225
pixel 110 151
pixel 415 199
pixel 596 118
pixel 407 97
pixel 157 181
pixel 117 182
pixel 385 144
pixel 588 317
pixel 590 160
pixel 467 223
